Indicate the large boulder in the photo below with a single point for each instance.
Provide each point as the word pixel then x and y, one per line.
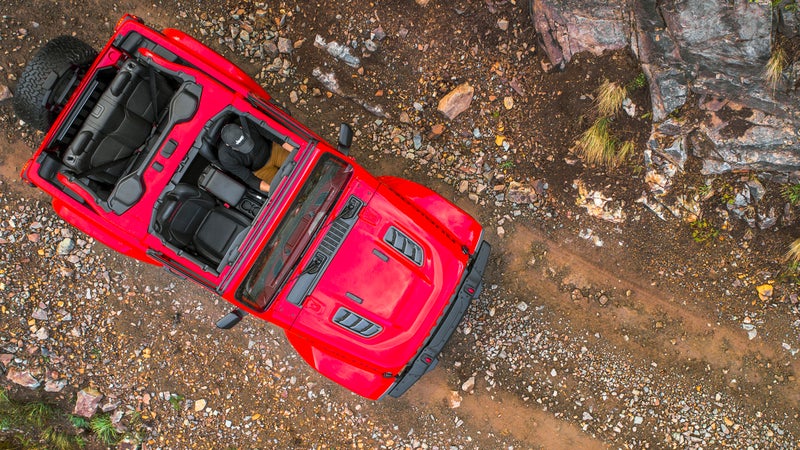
pixel 712 48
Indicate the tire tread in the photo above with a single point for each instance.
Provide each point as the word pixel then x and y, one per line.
pixel 58 55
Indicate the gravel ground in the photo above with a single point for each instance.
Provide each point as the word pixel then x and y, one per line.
pixel 587 334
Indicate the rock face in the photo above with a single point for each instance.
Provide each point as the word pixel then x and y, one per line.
pixel 714 49
pixel 573 26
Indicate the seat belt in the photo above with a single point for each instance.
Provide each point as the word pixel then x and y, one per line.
pixel 154 94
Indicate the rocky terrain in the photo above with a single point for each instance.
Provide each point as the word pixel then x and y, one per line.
pixel 609 320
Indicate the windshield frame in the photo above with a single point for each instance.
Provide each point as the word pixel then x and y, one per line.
pixel 290 239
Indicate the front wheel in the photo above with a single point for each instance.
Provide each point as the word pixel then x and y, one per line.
pixel 47 80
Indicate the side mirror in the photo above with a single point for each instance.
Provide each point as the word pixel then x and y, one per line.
pixel 345 138
pixel 231 319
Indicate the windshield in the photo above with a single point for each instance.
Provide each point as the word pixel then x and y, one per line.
pixel 292 236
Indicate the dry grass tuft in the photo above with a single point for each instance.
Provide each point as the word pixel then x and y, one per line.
pixel 610 96
pixel 793 255
pixel 597 146
pixel 775 67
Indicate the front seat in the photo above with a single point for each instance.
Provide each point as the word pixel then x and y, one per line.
pixel 191 220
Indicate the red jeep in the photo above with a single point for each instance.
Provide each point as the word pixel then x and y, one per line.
pixel 369 277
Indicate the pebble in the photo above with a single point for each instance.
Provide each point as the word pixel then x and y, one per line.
pixel 285 45
pixel 764 291
pixel 454 400
pixel 456 101
pixel 55 385
pixel 502 24
pixel 5 92
pixel 468 385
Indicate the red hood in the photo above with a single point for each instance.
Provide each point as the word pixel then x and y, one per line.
pixel 368 277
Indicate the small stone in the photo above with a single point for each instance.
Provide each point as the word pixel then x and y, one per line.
pixel 285 45
pixel 378 34
pixel 454 400
pixel 728 421
pixel 270 49
pixel 109 405
pixel 456 101
pixel 5 92
pixel 468 385
pixel 199 405
pixel 41 334
pixel 508 102
pixel 501 232
pixel 638 420
pixel 40 314
pixel 603 299
pixel 55 385
pixel 764 292
pixel 22 378
pixel 65 246
pixel 87 401
pixel 502 24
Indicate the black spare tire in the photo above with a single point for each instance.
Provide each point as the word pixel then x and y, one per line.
pixel 47 79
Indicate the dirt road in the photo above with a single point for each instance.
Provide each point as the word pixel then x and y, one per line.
pixel 640 338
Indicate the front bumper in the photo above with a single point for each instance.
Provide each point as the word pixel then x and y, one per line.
pixel 427 358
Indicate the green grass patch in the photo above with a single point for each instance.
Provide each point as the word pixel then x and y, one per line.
pixel 791 193
pixel 37 424
pixel 703 230
pixel 175 400
pixel 104 429
pixel 637 83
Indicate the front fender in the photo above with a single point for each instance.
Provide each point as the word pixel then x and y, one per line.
pixel 359 380
pixel 464 229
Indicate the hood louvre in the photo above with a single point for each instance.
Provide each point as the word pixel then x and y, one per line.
pixel 404 245
pixel 355 323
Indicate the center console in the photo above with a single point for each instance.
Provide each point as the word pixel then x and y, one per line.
pixel 231 191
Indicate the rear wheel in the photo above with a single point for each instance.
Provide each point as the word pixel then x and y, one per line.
pixel 48 79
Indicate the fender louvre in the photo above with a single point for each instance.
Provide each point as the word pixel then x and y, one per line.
pixel 355 323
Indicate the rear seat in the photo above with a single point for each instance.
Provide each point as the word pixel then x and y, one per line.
pixel 119 123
